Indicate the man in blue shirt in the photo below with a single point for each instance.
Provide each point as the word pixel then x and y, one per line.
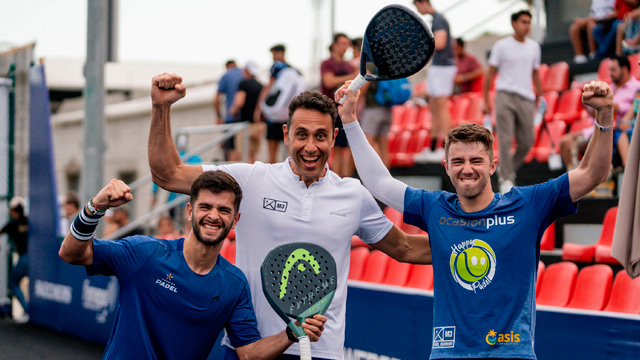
pixel 485 247
pixel 227 86
pixel 177 295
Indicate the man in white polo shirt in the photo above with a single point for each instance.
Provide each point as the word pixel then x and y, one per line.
pixel 299 199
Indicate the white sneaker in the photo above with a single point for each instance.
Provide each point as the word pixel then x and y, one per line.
pixel 505 186
pixel 428 156
pixel 580 59
pixel 22 319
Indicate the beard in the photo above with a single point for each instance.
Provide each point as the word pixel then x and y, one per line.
pixel 208 241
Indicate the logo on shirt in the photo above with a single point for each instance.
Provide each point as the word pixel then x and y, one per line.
pixel 275 205
pixel 167 283
pixel 479 223
pixel 494 338
pixel 473 264
pixel 444 337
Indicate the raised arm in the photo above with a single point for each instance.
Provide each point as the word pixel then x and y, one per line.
pixel 167 170
pixel 77 246
pixel 374 174
pixel 273 346
pixel 414 249
pixel 594 168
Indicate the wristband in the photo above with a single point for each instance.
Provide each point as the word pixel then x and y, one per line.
pixel 84 226
pixel 93 210
pixel 602 128
pixel 290 335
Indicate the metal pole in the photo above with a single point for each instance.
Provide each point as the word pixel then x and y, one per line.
pixel 92 170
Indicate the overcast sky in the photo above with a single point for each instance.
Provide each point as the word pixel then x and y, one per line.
pixel 211 31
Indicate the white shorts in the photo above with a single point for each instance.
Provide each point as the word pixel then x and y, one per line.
pixel 440 80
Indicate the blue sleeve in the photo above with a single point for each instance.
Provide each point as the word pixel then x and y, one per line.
pixel 554 196
pixel 242 326
pixel 417 206
pixel 121 257
pixel 223 84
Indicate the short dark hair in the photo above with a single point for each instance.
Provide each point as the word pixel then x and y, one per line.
pixel 623 61
pixel 278 47
pixel 313 100
pixel 336 36
pixel 356 42
pixel 217 182
pixel 516 16
pixel 470 133
pixel 460 42
pixel 230 62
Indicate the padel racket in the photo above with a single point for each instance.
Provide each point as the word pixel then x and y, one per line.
pixel 396 44
pixel 299 281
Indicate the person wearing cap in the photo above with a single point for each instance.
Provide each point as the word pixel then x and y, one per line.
pixel 244 106
pixel 17 230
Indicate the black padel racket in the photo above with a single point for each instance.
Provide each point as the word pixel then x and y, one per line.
pixel 396 44
pixel 299 281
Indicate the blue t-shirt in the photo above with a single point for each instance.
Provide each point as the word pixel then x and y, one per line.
pixel 166 310
pixel 485 266
pixel 228 85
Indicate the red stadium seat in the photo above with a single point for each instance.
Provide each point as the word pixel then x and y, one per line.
pixel 541 268
pixel 228 251
pixel 557 285
pixel 569 106
pixel 548 241
pixel 424 117
pixel 543 72
pixel 593 288
pixel 603 70
pixel 458 106
pixel 420 277
pixel 603 247
pixel 232 234
pixel 477 86
pixel 357 242
pixel 375 267
pixel 417 141
pixel 397 273
pixel 358 258
pixel 577 252
pixel 397 116
pixel 398 144
pixel 583 123
pixel 548 140
pixel 394 215
pixel 551 97
pixel 411 120
pixel 474 112
pixel 558 77
pixel 625 294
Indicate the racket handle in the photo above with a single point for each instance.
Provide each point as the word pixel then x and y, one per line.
pixel 355 85
pixel 305 347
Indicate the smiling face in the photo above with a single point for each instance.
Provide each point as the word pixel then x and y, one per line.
pixel 212 216
pixel 470 168
pixel 309 139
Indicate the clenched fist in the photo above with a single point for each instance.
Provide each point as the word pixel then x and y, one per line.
pixel 166 89
pixel 114 194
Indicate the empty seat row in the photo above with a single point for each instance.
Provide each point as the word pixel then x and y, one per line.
pixel 600 252
pixel 592 288
pixel 377 267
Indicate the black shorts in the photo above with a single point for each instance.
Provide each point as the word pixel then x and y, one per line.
pixel 274 131
pixel 341 138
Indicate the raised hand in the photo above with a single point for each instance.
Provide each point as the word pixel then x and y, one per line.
pixel 347 110
pixel 166 89
pixel 114 194
pixel 598 95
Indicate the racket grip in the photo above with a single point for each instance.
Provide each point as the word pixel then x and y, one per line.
pixel 305 347
pixel 355 85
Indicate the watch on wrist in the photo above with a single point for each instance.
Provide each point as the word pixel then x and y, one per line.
pixel 290 335
pixel 603 128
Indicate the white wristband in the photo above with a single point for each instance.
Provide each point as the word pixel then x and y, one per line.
pixel 602 128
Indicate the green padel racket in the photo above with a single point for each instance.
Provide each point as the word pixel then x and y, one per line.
pixel 299 281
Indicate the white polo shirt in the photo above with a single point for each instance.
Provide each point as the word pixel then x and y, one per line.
pixel 278 208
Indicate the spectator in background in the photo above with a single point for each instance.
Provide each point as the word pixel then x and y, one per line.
pixel 227 86
pixel 625 87
pixel 376 122
pixel 275 136
pixel 516 60
pixel 167 229
pixel 18 229
pixel 469 68
pixel 440 81
pixel 599 10
pixel 628 34
pixel 70 208
pixel 244 105
pixel 356 48
pixel 334 72
pixel 606 28
pixel 117 219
